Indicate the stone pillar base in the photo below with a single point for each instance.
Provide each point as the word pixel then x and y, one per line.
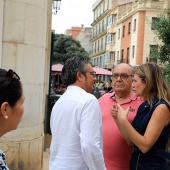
pixel 24 155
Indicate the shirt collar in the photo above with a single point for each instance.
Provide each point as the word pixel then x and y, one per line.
pixel 132 98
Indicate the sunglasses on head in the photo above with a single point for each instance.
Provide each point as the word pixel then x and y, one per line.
pixel 13 75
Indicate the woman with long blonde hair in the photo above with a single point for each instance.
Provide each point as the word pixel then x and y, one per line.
pixel 150 129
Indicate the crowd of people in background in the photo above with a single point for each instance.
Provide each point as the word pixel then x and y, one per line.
pixel 100 89
pixel 58 88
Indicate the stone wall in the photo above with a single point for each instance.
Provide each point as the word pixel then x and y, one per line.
pixel 25 42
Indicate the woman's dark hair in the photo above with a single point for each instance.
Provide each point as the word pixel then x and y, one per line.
pixel 10 87
pixel 71 67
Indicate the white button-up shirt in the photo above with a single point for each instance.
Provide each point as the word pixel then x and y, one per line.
pixel 76 132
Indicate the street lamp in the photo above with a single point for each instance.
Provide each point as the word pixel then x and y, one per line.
pixel 56 6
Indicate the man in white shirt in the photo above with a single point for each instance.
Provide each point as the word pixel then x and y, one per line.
pixel 76 121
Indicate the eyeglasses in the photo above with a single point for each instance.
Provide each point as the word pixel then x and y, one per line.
pixel 93 73
pixel 122 76
pixel 13 75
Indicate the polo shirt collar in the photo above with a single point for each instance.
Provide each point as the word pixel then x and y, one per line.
pixel 132 98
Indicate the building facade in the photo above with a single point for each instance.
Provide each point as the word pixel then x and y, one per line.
pixel 73 31
pixel 121 32
pixel 84 37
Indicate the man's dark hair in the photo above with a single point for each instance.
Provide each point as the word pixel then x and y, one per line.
pixel 71 67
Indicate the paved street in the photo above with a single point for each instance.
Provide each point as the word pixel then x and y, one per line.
pixel 46 154
pixel 46 159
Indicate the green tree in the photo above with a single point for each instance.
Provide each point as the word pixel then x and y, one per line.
pixel 162 30
pixel 66 47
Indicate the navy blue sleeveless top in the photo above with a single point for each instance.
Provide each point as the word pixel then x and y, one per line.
pixel 155 158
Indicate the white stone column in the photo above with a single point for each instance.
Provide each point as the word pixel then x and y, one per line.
pixel 25 39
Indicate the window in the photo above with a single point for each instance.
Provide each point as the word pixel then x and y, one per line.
pixel 96 30
pixel 109 20
pixel 114 38
pixel 103 25
pixel 98 45
pixel 103 6
pixel 123 33
pixel 153 53
pixel 133 51
pixel 95 62
pixel 99 27
pixel 92 49
pixel 119 33
pixel 100 10
pixel 108 2
pixel 154 20
pixel 128 55
pixel 102 44
pixel 117 54
pixel 95 47
pixel 134 25
pixel 109 57
pixel 129 28
pixel 122 55
pixel 113 56
pixel 109 38
pixel 100 61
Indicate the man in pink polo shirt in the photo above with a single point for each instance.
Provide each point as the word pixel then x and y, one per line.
pixel 116 151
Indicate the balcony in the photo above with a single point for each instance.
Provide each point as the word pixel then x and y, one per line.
pixel 109 64
pixel 111 29
pixel 110 47
pixel 128 9
pixel 152 5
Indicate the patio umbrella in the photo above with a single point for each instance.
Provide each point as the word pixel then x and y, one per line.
pixel 57 68
pixel 102 71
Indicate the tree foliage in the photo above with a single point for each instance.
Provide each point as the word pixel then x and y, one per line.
pixel 66 47
pixel 162 31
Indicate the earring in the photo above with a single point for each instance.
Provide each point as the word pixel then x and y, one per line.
pixel 6 117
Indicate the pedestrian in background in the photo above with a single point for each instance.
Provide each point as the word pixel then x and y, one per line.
pixel 117 152
pixel 11 106
pixel 76 121
pixel 150 129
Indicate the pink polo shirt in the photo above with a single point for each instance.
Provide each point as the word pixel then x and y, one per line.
pixel 116 151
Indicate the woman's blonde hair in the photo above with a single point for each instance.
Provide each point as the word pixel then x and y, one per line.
pixel 151 74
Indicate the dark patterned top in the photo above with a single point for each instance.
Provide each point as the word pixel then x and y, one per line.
pixel 3 165
pixel 156 157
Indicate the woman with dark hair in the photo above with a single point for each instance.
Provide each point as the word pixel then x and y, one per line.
pixel 150 129
pixel 11 105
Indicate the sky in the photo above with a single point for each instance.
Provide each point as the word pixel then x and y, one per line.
pixel 73 13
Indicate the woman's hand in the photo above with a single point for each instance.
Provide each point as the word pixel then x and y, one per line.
pixel 114 111
pixel 121 113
